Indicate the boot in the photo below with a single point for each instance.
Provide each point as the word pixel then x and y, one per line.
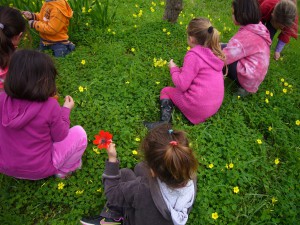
pixel 166 108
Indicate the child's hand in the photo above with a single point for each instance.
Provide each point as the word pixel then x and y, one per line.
pixel 172 64
pixel 277 55
pixel 69 102
pixel 27 15
pixel 112 152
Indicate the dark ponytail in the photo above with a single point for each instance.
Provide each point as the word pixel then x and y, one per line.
pixel 12 24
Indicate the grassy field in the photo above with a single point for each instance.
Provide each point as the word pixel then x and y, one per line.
pixel 249 152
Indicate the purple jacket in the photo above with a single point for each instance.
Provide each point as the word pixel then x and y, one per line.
pixel 250 46
pixel 27 132
pixel 199 84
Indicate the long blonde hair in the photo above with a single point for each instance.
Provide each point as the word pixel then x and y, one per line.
pixel 206 35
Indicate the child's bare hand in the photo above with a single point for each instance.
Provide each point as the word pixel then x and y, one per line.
pixel 27 15
pixel 69 102
pixel 112 152
pixel 172 64
pixel 277 55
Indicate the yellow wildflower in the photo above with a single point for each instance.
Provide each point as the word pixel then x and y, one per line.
pixel 83 62
pixel 215 215
pixel 108 30
pixel 168 33
pixel 282 80
pixel 134 152
pixel 83 10
pixel 188 48
pixel 286 84
pixel 180 23
pixel 238 97
pixel 89 10
pixel 60 186
pixel 136 5
pixel 271 94
pixel 80 88
pixel 284 90
pixel 157 82
pixel 99 190
pixel 137 139
pixel 211 165
pixel 127 82
pixel 152 9
pixel 270 128
pixel 267 101
pixel 267 92
pixel 298 122
pixel 79 192
pixel 96 150
pixel 236 189
pixel 132 49
pixel 87 24
pixel 259 141
pixel 113 33
pixel 153 3
pixel 274 200
pixel 135 26
pixel 276 161
pixel 290 86
pixel 162 3
pixel 230 165
pixel 164 30
pixel 134 15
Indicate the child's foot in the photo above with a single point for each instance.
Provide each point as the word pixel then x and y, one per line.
pixel 63 175
pixel 242 92
pixel 100 220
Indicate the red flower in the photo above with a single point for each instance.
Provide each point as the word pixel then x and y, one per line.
pixel 103 139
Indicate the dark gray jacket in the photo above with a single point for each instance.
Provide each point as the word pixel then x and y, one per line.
pixel 137 193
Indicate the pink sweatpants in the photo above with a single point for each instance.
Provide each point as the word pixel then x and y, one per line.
pixel 66 155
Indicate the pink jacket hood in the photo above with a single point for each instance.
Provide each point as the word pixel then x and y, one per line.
pixel 260 30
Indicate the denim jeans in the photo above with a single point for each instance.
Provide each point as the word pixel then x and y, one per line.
pixel 59 49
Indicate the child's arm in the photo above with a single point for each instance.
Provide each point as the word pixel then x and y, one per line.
pixel 234 51
pixel 53 26
pixel 183 78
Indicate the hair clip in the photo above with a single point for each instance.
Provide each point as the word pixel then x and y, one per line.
pixel 173 143
pixel 170 131
pixel 210 29
pixel 1 26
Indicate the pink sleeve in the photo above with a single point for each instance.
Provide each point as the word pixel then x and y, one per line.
pixel 60 124
pixel 183 78
pixel 234 51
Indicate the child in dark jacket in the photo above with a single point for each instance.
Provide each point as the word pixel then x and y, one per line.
pixel 161 190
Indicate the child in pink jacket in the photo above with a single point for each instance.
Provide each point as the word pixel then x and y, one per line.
pixel 248 51
pixel 199 83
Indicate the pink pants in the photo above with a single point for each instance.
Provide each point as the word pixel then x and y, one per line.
pixel 66 155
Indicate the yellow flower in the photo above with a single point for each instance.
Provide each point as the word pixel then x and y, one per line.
pixel 282 80
pixel 79 192
pixel 11 4
pixel 113 33
pixel 259 141
pixel 298 122
pixel 286 84
pixel 134 15
pixel 164 30
pixel 135 26
pixel 267 92
pixel 290 86
pixel 157 82
pixel 271 94
pixel 214 215
pixel 133 49
pixel 162 3
pixel 236 189
pixel 152 9
pixel 83 62
pixel 238 97
pixel 134 152
pixel 231 165
pixel 284 90
pixel 168 33
pixel 267 101
pixel 188 48
pixel 274 200
pixel 83 9
pixel 153 3
pixel 127 82
pixel 137 139
pixel 87 24
pixel 211 165
pixel 226 166
pixel 99 190
pixel 96 150
pixel 60 186
pixel 190 144
pixel 136 5
pixel 89 10
pixel 180 23
pixel 108 30
pixel 276 161
pixel 270 128
pixel 80 88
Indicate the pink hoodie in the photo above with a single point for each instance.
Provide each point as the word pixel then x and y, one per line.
pixel 250 46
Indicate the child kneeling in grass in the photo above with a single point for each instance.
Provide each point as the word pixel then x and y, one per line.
pixel 161 190
pixel 35 136
pixel 52 23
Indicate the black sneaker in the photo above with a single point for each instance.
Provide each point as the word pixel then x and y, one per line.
pixel 98 220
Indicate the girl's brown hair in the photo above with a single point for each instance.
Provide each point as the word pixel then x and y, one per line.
pixel 31 76
pixel 285 13
pixel 168 154
pixel 13 24
pixel 206 35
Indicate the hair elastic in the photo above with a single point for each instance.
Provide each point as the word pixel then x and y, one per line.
pixel 1 26
pixel 210 29
pixel 173 143
pixel 170 131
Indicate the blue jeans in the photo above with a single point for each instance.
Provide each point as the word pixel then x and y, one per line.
pixel 58 49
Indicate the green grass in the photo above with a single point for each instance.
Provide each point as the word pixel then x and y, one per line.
pixel 123 89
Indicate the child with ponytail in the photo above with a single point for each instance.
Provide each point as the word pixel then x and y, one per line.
pixel 161 190
pixel 199 83
pixel 12 26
